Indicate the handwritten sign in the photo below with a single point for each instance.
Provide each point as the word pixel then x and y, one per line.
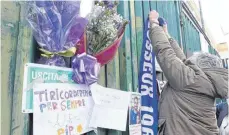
pixel 135 114
pixel 37 73
pixel 111 107
pixel 61 109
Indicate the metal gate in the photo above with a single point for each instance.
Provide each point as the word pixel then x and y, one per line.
pixel 190 34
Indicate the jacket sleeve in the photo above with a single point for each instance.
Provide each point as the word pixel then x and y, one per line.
pixel 178 74
pixel 177 49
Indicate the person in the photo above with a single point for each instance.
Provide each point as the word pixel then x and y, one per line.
pixel 135 113
pixel 186 104
pixel 222 118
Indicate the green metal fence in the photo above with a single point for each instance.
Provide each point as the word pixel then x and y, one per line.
pixel 212 50
pixel 191 37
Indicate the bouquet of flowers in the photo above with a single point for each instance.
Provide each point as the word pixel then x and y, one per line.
pixel 103 32
pixel 57 27
pixel 100 43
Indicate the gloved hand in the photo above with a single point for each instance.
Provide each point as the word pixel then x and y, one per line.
pixel 161 21
pixel 163 24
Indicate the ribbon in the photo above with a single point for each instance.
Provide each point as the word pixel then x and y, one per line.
pixel 85 69
pixel 67 53
pixel 148 85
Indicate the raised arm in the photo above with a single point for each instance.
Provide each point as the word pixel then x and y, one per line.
pixel 177 49
pixel 173 42
pixel 178 74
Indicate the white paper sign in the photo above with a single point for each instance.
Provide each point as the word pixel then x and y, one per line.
pixel 135 114
pixel 111 107
pixel 61 109
pixel 38 73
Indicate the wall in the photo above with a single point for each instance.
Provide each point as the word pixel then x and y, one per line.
pixel 223 50
pixel 194 6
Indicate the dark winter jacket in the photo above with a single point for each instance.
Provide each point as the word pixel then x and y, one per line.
pixel 186 105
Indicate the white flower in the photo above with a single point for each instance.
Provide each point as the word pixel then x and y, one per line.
pixel 103 28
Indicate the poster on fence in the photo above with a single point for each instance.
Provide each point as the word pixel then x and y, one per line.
pixel 135 114
pixel 37 73
pixel 61 109
pixel 111 108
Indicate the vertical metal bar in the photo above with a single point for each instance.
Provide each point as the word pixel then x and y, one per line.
pixel 133 46
pixel 125 59
pixel 21 123
pixel 9 35
pixel 125 51
pixel 139 27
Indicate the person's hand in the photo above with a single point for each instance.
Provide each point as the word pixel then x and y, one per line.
pixel 153 16
pixel 163 24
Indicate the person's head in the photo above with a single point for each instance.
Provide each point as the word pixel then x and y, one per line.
pixel 136 103
pixel 206 60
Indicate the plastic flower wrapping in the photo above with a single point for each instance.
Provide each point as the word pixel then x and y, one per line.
pixel 99 44
pixel 61 30
pixel 103 32
pixel 85 69
pixel 57 27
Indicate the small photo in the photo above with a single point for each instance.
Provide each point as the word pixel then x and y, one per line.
pixel 135 109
